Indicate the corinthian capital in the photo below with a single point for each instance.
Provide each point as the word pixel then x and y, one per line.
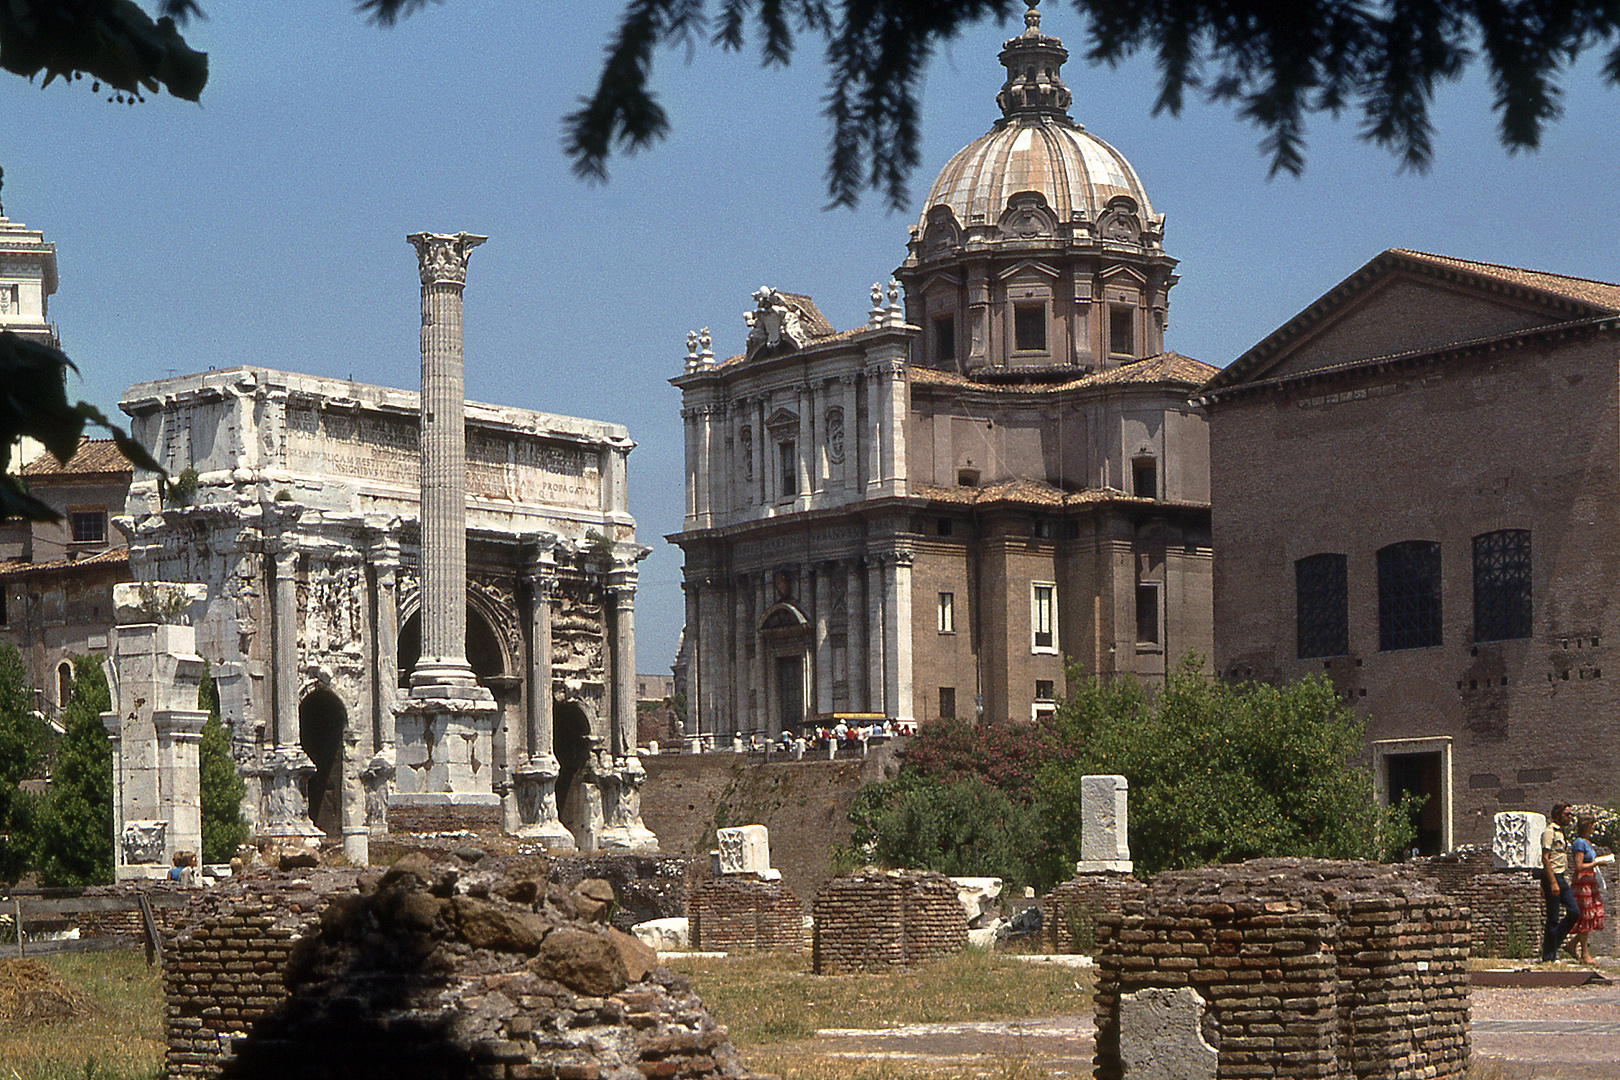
pixel 443 256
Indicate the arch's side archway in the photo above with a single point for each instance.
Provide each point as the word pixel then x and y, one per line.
pixel 484 652
pixel 571 742
pixel 321 719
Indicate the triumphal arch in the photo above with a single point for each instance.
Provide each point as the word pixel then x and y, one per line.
pixel 296 500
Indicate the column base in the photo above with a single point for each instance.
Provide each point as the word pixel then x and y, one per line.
pixel 552 835
pixel 635 837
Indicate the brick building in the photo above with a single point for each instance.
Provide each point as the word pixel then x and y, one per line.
pixel 1415 493
pixel 925 515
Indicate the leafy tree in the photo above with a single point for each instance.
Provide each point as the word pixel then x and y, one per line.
pixel 1006 756
pixel 1221 772
pixel 24 742
pixel 1276 63
pixel 223 827
pixel 76 823
pixel 965 826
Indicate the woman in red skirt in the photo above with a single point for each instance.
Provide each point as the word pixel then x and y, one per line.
pixel 1583 868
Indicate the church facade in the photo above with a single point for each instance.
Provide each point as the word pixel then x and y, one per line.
pixel 298 507
pixel 927 515
pixel 1416 496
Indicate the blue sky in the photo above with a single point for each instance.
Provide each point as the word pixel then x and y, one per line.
pixel 266 225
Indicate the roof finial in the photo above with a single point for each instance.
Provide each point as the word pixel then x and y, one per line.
pixel 1032 19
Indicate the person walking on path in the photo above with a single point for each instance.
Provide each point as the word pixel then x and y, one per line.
pixel 1555 867
pixel 1583 869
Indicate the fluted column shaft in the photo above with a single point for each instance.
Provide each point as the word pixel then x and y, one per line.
pixel 443 264
pixel 284 642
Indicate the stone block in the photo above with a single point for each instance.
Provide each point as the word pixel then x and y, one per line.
pixel 744 850
pixel 1104 818
pixel 1161 1036
pixel 1516 841
pixel 144 842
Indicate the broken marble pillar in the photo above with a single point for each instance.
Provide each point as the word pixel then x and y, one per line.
pixel 1161 1035
pixel 664 935
pixel 1516 843
pixel 744 850
pixel 977 896
pixel 155 727
pixel 1104 845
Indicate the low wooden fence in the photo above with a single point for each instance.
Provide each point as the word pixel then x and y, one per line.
pixel 40 920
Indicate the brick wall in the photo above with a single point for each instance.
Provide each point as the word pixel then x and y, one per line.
pixel 223 965
pixel 875 919
pixel 744 914
pixel 443 818
pixel 1508 906
pixel 1069 912
pixel 1308 968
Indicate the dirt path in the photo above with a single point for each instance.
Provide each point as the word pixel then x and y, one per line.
pixel 1524 1034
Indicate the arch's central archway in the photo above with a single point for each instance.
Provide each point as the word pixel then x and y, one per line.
pixel 484 653
pixel 321 719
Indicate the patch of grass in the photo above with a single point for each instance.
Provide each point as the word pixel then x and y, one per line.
pixel 121 1039
pixel 772 998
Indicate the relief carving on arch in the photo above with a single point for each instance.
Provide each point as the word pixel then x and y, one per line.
pixel 498 593
pixel 331 604
pixel 578 634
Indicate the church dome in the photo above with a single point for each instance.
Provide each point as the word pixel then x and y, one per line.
pixel 1035 146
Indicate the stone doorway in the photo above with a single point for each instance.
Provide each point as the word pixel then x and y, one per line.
pixel 321 720
pixel 571 742
pixel 789 693
pixel 1419 775
pixel 785 637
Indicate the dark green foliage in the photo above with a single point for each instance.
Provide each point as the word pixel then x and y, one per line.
pixel 1217 773
pixel 24 742
pixel 35 404
pixel 113 41
pixel 76 823
pixel 1275 63
pixel 223 827
pixel 963 827
pixel 1220 773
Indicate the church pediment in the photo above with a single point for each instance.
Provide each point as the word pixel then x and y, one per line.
pixel 783 422
pixel 1028 268
pixel 1405 303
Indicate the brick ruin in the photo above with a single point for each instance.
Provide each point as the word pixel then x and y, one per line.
pixel 432 969
pixel 1286 968
pixel 1508 905
pixel 877 919
pixel 741 914
pixel 1069 912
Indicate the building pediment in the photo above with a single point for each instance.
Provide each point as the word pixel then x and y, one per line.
pixel 1029 268
pixel 783 422
pixel 1405 303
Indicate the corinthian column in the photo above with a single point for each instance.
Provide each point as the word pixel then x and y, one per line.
pixel 446 728
pixel 443 263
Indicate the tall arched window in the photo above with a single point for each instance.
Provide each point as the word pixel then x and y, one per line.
pixel 1409 595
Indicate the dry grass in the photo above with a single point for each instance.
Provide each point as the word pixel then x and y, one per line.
pixel 773 1006
pixel 120 1037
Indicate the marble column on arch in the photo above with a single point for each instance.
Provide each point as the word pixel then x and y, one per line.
pixel 378 775
pixel 289 767
pixel 624 829
pixel 535 780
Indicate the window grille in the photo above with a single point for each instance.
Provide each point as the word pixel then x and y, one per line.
pixel 89 526
pixel 1029 327
pixel 1502 585
pixel 1321 606
pixel 1043 617
pixel 1409 595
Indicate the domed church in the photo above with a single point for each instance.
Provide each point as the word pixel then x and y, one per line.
pixel 927 515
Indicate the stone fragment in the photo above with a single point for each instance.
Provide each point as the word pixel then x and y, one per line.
pixel 1161 1035
pixel 1104 819
pixel 663 935
pixel 469 855
pixel 1516 842
pixel 745 849
pixel 484 925
pixel 298 860
pixel 584 962
pixel 593 899
pixel 637 956
pixel 978 895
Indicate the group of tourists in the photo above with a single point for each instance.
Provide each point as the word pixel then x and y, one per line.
pixel 1573 884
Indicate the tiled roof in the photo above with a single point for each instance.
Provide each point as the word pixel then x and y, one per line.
pixel 1168 367
pixel 1600 294
pixel 111 557
pixel 93 457
pixel 1572 300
